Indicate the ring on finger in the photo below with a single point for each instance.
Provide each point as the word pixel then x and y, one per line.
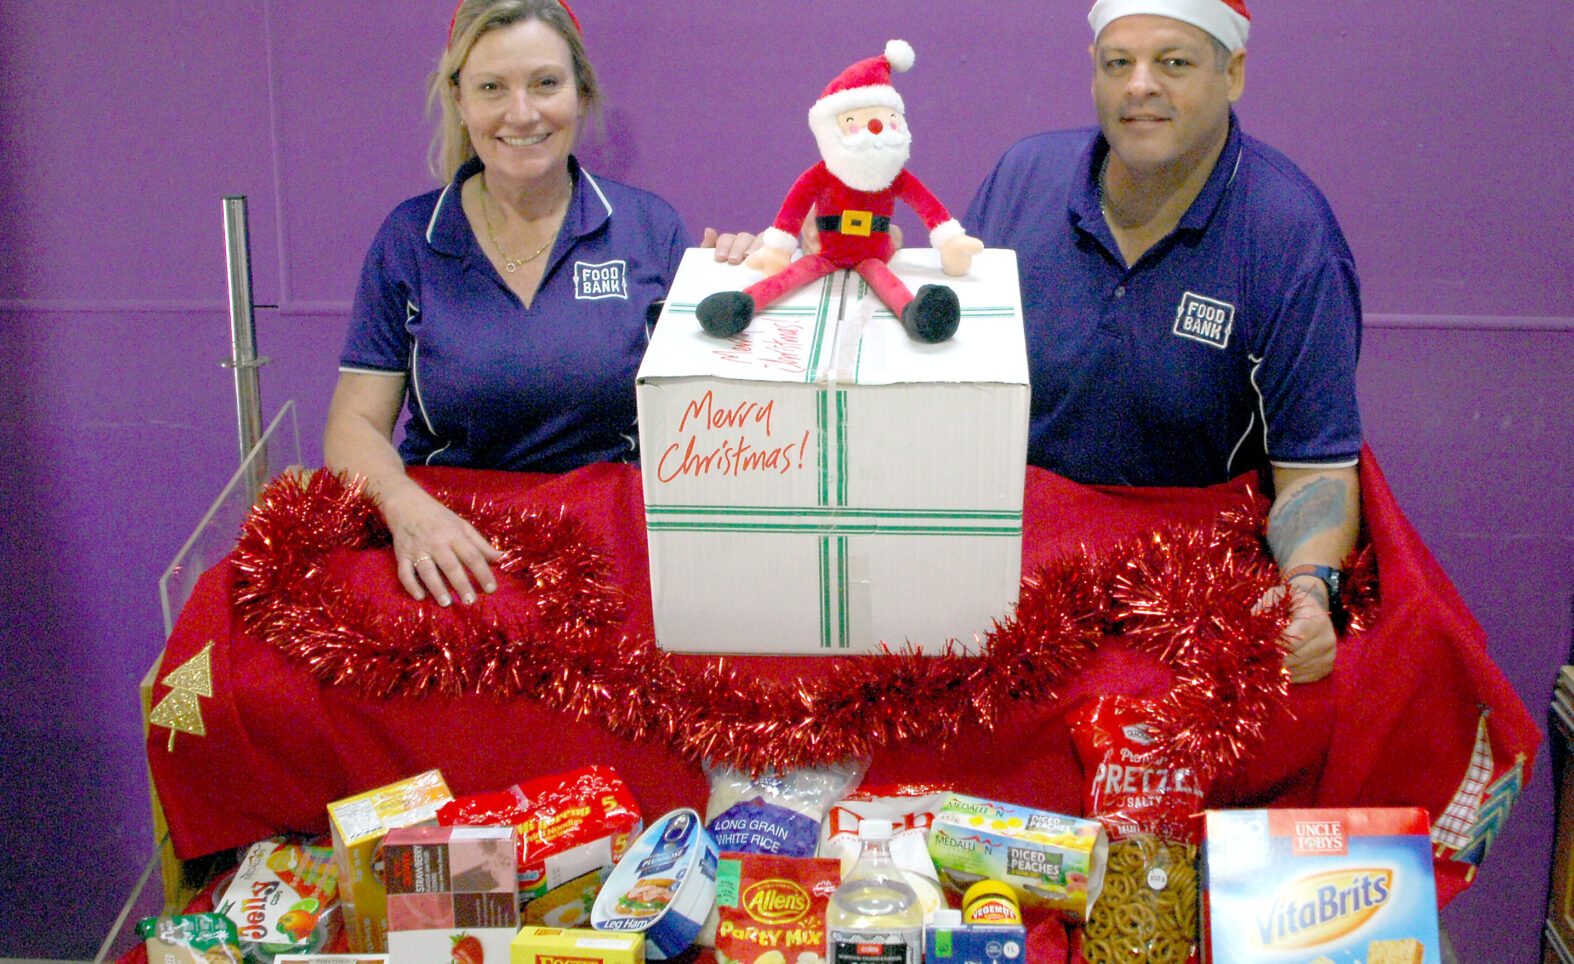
pixel 420 559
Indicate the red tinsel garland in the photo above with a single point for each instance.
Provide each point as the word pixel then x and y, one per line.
pixel 1185 596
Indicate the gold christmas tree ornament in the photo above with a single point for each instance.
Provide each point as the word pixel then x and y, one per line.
pixel 181 707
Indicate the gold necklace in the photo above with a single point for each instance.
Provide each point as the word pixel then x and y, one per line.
pixel 509 264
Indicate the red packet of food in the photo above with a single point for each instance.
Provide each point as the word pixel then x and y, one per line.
pixel 572 827
pixel 1150 805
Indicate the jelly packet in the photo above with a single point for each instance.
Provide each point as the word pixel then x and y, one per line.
pixel 283 898
pixel 572 828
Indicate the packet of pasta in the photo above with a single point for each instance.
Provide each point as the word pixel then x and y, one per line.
pixel 572 829
pixel 1147 913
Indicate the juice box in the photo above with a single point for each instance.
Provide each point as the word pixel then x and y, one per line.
pixel 1319 887
pixel 358 825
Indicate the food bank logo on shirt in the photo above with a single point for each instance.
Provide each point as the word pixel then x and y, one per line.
pixel 1205 320
pixel 610 279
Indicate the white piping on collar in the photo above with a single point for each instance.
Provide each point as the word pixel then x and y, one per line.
pixel 1239 153
pixel 597 188
pixel 436 210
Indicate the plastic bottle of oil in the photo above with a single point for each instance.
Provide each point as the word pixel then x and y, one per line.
pixel 874 917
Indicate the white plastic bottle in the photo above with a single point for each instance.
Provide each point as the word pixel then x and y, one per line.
pixel 874 917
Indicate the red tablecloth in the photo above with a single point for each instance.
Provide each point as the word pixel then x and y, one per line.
pixel 1395 724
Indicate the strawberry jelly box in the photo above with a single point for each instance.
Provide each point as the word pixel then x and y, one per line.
pixel 1291 886
pixel 452 893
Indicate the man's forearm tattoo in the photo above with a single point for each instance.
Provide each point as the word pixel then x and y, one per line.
pixel 1316 507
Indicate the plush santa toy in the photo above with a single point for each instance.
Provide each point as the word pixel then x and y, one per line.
pixel 860 127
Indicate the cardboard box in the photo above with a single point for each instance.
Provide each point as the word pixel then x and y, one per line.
pixel 358 825
pixel 453 893
pixel 1305 885
pixel 577 945
pixel 821 483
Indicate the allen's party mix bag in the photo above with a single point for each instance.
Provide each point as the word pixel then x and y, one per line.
pixel 771 910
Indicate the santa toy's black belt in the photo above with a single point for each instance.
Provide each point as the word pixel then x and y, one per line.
pixel 861 223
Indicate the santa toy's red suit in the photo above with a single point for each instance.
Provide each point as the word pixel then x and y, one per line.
pixel 863 137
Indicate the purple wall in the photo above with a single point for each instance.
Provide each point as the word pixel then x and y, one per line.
pixel 1427 125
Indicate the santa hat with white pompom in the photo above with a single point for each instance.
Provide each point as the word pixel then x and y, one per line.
pixel 1227 20
pixel 865 84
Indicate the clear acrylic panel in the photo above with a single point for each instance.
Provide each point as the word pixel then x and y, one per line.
pixel 277 450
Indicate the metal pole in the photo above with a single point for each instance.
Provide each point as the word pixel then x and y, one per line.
pixel 243 339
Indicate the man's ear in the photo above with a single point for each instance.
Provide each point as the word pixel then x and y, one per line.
pixel 1237 72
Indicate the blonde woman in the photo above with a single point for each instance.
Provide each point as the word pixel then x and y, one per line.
pixel 507 311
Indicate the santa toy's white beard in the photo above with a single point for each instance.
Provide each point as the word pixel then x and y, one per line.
pixel 865 161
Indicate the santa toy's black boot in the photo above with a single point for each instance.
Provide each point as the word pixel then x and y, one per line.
pixel 933 315
pixel 725 313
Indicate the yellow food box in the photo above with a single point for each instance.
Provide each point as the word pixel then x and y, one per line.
pixel 358 825
pixel 576 945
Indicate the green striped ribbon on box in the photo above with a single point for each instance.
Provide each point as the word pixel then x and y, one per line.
pixel 832 520
pixel 977 311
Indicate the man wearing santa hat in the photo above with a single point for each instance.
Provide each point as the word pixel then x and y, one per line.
pixel 1191 306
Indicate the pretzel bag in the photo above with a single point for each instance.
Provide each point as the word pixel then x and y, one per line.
pixel 1147 913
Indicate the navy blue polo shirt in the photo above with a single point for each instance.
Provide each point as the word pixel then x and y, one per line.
pixel 1231 343
pixel 491 383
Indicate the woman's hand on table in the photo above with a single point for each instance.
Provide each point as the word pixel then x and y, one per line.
pixel 437 552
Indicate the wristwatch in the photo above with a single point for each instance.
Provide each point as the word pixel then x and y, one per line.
pixel 1331 577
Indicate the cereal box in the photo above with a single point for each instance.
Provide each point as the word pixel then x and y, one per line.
pixel 1049 859
pixel 1319 887
pixel 358 825
pixel 452 893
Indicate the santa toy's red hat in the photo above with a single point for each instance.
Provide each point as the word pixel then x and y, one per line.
pixel 1225 20
pixel 865 84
